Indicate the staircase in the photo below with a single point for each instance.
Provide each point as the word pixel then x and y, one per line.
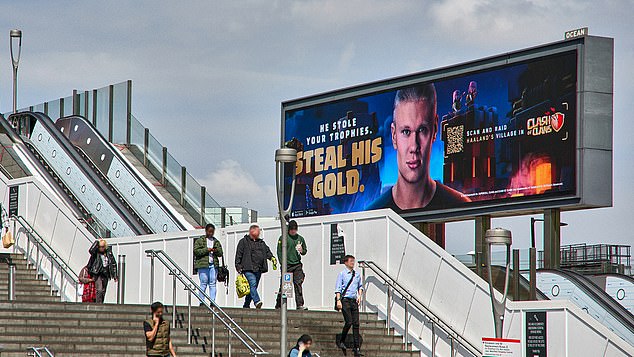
pixel 37 318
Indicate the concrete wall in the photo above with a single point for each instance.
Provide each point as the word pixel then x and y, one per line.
pixel 444 285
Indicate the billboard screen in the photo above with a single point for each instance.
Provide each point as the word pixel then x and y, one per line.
pixel 488 137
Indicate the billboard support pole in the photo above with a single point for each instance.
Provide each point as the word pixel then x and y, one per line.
pixel 284 156
pixel 434 231
pixel 552 238
pixel 482 224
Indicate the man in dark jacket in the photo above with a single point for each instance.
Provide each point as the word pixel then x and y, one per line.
pixel 207 249
pixel 252 254
pixel 102 267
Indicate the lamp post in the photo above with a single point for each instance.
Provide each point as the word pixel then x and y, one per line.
pixel 15 36
pixel 498 236
pixel 533 259
pixel 283 156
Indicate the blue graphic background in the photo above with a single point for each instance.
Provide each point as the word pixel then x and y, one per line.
pixel 496 88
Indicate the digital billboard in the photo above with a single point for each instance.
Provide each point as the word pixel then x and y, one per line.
pixel 493 136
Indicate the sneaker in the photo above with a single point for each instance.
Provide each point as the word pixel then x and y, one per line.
pixel 258 305
pixel 357 353
pixel 342 346
pixel 302 308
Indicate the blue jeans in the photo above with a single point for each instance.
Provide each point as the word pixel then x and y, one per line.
pixel 254 281
pixel 207 278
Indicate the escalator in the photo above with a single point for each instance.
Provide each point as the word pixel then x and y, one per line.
pixel 620 287
pixel 120 177
pixel 558 284
pixel 80 183
pixel 18 150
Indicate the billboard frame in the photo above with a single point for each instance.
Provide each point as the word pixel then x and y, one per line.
pixel 594 115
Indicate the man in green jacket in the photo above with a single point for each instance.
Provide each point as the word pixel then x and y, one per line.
pixel 207 250
pixel 296 248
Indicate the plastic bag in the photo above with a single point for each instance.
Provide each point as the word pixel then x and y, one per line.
pixel 7 239
pixel 242 286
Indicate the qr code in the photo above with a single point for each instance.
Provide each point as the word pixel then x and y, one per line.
pixel 455 141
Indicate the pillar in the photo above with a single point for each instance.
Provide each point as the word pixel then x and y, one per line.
pixel 482 224
pixel 552 238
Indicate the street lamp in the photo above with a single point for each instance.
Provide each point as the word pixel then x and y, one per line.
pixel 498 236
pixel 283 156
pixel 533 259
pixel 15 36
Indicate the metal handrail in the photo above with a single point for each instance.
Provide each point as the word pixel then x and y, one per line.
pixel 48 250
pixel 217 312
pixel 37 351
pixel 410 299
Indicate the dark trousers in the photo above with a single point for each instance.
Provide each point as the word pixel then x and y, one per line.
pixel 298 280
pixel 101 283
pixel 350 310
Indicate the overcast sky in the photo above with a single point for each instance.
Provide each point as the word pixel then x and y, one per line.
pixel 209 76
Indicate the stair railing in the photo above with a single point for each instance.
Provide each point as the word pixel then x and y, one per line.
pixel 41 246
pixel 38 352
pixel 179 275
pixel 409 300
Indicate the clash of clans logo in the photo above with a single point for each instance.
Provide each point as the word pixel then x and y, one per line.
pixel 552 120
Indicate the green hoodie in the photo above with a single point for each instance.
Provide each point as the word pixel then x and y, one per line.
pixel 291 254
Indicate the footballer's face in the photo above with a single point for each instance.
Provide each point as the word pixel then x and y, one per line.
pixel 413 133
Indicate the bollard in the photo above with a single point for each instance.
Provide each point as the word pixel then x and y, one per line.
pixel 11 282
pixel 121 284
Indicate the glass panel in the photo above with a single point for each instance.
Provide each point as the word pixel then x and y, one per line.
pixel 214 215
pixel 210 202
pixel 192 193
pixel 120 112
pixel 155 153
pixel 82 106
pixel 88 104
pixel 68 106
pixel 174 173
pixel 53 110
pixel 137 134
pixel 102 111
pixel 39 108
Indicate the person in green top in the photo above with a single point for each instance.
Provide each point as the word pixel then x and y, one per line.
pixel 296 248
pixel 207 250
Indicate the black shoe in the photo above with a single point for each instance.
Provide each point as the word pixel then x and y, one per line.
pixel 302 308
pixel 258 305
pixel 342 346
pixel 357 353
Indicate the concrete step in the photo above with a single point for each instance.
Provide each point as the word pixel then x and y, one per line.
pixel 144 309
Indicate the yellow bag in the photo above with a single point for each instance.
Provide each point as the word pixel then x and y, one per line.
pixel 242 286
pixel 7 239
